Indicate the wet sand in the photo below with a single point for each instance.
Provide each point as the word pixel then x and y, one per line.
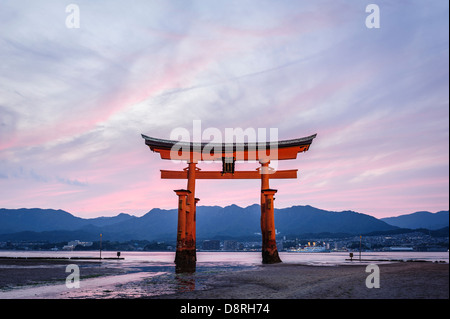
pixel 400 280
pixel 26 272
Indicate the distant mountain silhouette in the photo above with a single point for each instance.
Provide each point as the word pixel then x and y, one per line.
pixel 38 220
pixel 420 220
pixel 158 224
pixel 212 222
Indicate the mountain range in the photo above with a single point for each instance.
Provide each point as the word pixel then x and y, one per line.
pixel 419 220
pixel 212 222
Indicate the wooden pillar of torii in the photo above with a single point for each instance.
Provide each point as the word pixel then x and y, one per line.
pixel 185 257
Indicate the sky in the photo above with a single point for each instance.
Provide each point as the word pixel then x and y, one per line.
pixel 79 87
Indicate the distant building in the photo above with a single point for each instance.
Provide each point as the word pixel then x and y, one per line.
pixel 230 245
pixel 72 244
pixel 280 245
pixel 211 245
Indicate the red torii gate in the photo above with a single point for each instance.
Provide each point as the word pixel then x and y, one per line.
pixel 185 258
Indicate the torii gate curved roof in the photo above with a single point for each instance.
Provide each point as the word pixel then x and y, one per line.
pixel 206 151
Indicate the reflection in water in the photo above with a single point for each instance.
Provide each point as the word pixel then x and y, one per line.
pixel 185 282
pixel 185 268
pixel 185 277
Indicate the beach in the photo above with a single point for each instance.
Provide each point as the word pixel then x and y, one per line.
pixel 400 280
pixel 45 279
pixel 26 272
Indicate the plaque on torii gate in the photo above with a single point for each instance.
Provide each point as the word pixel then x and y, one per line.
pixel 229 153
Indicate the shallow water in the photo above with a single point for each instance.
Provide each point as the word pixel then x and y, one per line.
pixel 231 257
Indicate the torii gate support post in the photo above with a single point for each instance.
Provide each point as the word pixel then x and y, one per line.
pixel 264 170
pixel 181 228
pixel 269 245
pixel 269 251
pixel 195 220
pixel 188 256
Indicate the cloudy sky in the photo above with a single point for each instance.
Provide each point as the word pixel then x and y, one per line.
pixel 74 101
